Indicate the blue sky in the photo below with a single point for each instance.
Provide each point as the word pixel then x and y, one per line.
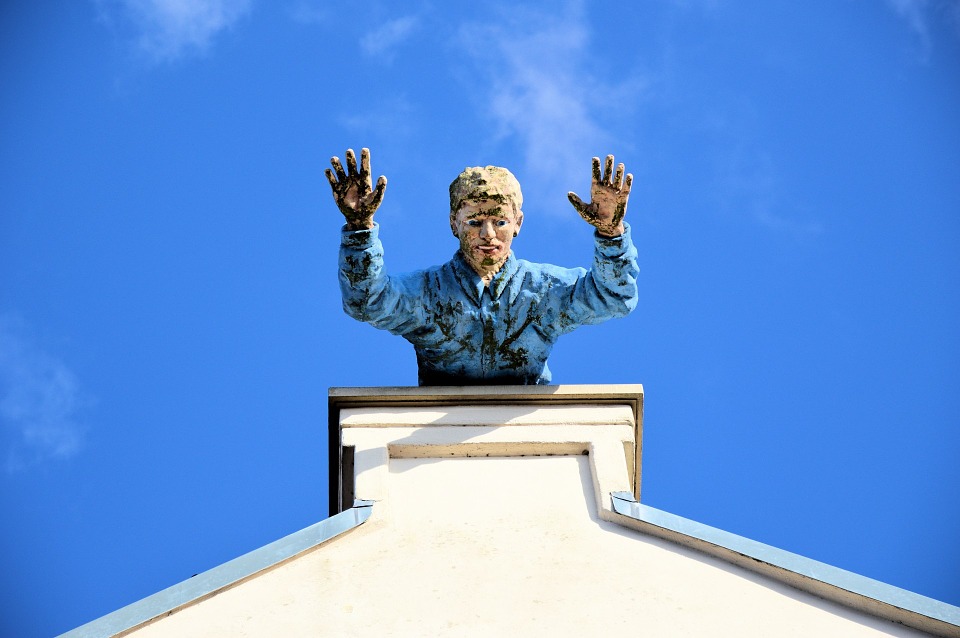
pixel 170 321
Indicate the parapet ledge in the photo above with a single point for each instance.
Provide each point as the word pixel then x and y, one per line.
pixel 400 396
pixel 367 426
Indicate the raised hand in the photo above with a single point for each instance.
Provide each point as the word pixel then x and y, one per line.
pixel 353 190
pixel 609 194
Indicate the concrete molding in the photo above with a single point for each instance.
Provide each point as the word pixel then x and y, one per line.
pixel 222 577
pixel 382 398
pixel 610 449
pixel 505 414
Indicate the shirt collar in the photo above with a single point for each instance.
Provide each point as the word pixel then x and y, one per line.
pixel 503 277
pixel 471 282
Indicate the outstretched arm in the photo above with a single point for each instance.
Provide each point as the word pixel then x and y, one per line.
pixel 609 194
pixel 353 190
pixel 368 293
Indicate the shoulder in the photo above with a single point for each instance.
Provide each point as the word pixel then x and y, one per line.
pixel 429 278
pixel 533 273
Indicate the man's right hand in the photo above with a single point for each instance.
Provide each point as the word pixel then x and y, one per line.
pixel 353 191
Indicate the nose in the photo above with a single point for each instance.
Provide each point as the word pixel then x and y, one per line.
pixel 486 229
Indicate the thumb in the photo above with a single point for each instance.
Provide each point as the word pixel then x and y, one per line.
pixel 577 202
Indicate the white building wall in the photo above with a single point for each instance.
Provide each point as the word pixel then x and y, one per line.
pixel 505 545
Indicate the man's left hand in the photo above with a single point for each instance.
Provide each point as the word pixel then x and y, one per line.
pixel 609 194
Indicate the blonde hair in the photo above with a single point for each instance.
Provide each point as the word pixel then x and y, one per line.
pixel 485 183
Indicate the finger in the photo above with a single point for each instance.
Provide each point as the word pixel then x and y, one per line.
pixel 338 167
pixel 378 193
pixel 607 170
pixel 618 177
pixel 351 162
pixel 331 179
pixel 577 202
pixel 365 169
pixel 627 185
pixel 596 170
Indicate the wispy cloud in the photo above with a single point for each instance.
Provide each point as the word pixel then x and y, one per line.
pixel 534 77
pixel 747 185
pixel 913 12
pixel 39 401
pixel 390 114
pixel 168 29
pixel 918 15
pixel 305 12
pixel 380 41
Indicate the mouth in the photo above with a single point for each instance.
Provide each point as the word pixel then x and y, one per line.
pixel 487 249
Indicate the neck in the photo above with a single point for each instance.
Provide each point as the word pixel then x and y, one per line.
pixel 486 272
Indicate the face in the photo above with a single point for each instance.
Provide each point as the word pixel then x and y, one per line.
pixel 486 229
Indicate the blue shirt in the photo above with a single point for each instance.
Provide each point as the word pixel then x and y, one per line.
pixel 467 333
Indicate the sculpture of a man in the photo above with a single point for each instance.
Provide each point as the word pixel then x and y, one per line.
pixel 484 317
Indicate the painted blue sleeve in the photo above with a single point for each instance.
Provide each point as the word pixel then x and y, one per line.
pixel 607 290
pixel 369 294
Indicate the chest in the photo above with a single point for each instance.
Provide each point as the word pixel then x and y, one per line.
pixel 522 319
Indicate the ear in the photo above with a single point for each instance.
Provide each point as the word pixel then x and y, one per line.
pixel 453 228
pixel 519 219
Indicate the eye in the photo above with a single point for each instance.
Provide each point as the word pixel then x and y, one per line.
pixel 473 222
pixel 501 223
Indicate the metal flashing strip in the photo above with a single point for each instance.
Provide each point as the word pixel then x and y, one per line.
pixel 820 579
pixel 215 580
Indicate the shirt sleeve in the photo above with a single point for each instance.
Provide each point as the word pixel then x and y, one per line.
pixel 369 294
pixel 608 289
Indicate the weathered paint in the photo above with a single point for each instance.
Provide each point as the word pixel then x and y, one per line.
pixel 465 332
pixel 463 329
pixel 609 194
pixel 492 183
pixel 353 189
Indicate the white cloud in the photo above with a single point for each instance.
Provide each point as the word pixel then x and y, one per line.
pixel 536 86
pixel 167 29
pixel 39 401
pixel 388 36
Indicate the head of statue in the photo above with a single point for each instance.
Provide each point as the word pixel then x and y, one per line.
pixel 485 216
